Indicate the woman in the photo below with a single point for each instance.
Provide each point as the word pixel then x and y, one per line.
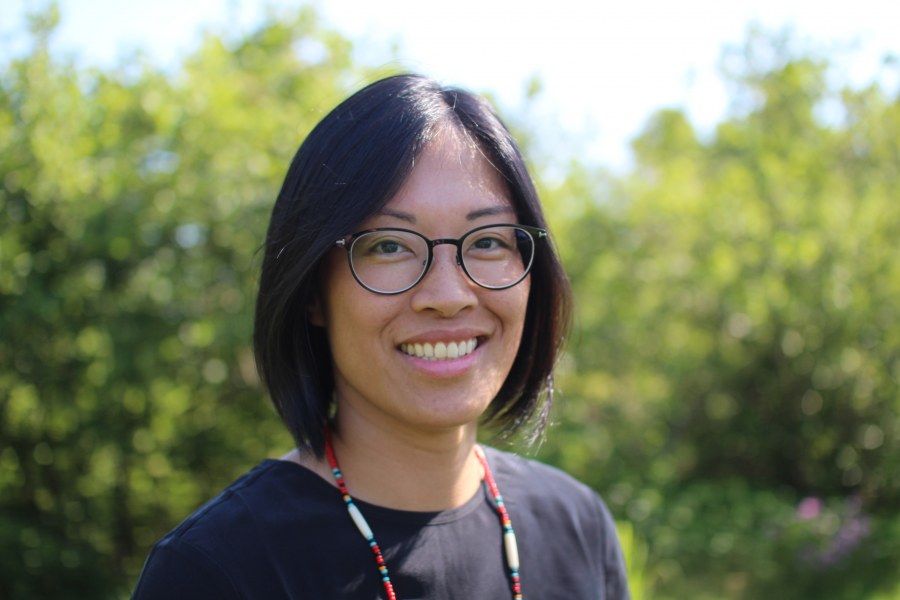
pixel 408 293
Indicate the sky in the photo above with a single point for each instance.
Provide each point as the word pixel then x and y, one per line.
pixel 605 66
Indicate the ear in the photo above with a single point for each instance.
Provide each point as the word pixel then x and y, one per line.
pixel 315 314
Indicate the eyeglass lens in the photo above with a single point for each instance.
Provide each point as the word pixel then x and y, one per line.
pixel 391 261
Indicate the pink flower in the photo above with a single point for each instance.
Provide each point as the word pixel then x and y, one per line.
pixel 809 508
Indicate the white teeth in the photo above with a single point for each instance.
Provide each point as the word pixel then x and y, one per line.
pixel 440 350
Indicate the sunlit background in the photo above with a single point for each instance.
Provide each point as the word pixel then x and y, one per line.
pixel 721 183
pixel 603 67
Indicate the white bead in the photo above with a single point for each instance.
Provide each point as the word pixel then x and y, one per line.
pixel 360 521
pixel 512 550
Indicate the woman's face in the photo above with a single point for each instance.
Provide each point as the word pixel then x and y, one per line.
pixel 451 190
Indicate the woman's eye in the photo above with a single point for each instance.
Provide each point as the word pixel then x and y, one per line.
pixel 490 243
pixel 387 247
pixel 384 247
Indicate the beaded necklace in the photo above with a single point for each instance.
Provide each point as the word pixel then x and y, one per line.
pixel 509 536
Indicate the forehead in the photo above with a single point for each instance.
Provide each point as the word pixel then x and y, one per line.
pixel 452 174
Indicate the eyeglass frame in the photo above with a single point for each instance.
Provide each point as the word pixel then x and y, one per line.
pixel 536 233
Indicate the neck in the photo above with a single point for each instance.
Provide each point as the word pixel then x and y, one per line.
pixel 406 470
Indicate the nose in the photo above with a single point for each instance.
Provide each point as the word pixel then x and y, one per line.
pixel 446 289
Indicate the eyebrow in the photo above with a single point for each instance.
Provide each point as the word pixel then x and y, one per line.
pixel 490 212
pixel 475 214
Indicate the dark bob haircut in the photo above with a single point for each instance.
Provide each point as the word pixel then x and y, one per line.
pixel 351 164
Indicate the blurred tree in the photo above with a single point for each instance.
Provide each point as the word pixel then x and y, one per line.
pixel 732 382
pixel 737 347
pixel 133 204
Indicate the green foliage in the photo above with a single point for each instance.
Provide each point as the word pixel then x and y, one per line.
pixel 731 386
pixel 133 205
pixel 737 347
pixel 634 550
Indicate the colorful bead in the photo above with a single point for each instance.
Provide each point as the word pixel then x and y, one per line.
pixel 358 519
pixel 509 537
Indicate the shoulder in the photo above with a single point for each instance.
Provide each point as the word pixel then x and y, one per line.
pixel 568 520
pixel 558 499
pixel 233 531
pixel 234 508
pixel 177 569
pixel 536 482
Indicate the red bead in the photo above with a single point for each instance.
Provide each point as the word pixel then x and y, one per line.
pixel 505 521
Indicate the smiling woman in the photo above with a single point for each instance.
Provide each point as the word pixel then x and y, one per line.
pixel 408 296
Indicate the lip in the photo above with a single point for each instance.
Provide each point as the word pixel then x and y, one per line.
pixel 448 367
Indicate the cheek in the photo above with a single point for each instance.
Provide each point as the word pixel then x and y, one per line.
pixel 518 305
pixel 355 318
pixel 520 311
pixel 511 309
pixel 344 303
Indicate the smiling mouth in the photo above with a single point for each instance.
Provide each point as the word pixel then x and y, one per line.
pixel 440 350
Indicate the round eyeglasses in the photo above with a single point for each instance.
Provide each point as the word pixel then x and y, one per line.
pixel 391 260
